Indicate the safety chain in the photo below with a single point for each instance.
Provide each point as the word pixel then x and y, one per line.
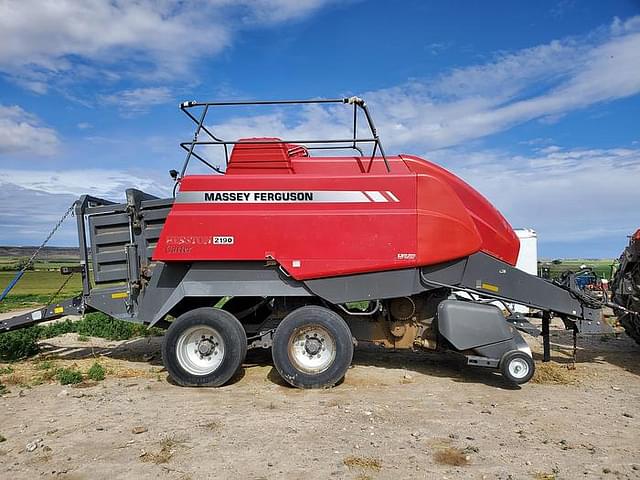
pixel 46 240
pixel 55 295
pixel 19 274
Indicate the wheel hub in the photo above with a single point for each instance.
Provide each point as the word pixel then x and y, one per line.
pixel 312 349
pixel 518 368
pixel 200 350
pixel 313 346
pixel 206 346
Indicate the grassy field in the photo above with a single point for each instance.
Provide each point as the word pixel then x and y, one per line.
pixel 41 283
pixel 602 267
pixel 8 263
pixel 35 288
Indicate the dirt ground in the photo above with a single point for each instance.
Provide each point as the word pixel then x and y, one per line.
pixel 396 416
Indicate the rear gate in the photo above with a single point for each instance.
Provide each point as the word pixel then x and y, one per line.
pixel 111 234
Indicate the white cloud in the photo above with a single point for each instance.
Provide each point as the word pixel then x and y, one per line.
pixel 138 100
pixel 543 82
pixel 32 201
pixel 27 216
pixel 567 195
pixel 277 11
pixel 41 41
pixel 109 184
pixel 22 132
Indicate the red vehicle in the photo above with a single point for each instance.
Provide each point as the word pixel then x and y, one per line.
pixel 309 255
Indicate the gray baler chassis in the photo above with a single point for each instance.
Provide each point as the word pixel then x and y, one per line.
pixel 120 279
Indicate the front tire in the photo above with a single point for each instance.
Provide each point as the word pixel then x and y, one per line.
pixel 517 367
pixel 204 347
pixel 312 347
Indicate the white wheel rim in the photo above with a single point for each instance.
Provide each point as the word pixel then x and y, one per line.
pixel 200 350
pixel 518 368
pixel 312 349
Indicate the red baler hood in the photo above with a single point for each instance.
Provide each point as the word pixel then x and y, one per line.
pixel 321 217
pixel 496 236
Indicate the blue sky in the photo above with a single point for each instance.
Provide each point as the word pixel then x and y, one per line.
pixel 533 103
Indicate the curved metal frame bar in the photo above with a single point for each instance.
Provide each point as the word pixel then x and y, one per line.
pixel 349 143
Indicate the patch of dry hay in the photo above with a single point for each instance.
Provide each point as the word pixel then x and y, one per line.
pixel 451 456
pixel 168 447
pixel 553 373
pixel 544 476
pixel 366 463
pixel 29 372
pixel 14 379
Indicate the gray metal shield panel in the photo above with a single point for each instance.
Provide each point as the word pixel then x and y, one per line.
pixel 448 273
pixel 113 302
pixel 469 325
pixel 171 282
pixel 513 284
pixel 496 279
pixel 368 286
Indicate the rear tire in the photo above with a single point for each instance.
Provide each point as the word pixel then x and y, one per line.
pixel 517 367
pixel 631 324
pixel 204 347
pixel 312 347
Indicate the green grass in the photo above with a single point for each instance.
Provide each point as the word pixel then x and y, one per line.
pixel 96 372
pixel 68 376
pixel 11 263
pixel 23 343
pixel 35 289
pixel 44 365
pixel 41 283
pixel 19 344
pixel 17 302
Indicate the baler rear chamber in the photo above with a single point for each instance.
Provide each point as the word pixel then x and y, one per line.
pixel 309 255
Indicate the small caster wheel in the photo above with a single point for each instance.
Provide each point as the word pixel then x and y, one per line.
pixel 517 367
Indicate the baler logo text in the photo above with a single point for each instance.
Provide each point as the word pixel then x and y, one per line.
pixel 258 196
pixel 284 196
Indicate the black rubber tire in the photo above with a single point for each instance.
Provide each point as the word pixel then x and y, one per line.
pixel 512 355
pixel 235 342
pixel 332 323
pixel 631 324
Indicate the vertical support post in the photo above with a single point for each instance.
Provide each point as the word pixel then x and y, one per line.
pixel 374 132
pixel 355 124
pixel 195 139
pixel 82 243
pixel 546 322
pixel 572 365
